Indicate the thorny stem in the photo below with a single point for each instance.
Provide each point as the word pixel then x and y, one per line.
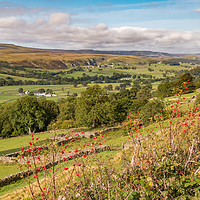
pixel 191 151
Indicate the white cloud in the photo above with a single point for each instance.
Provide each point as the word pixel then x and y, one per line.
pixel 11 22
pixel 59 18
pixel 58 33
pixel 197 10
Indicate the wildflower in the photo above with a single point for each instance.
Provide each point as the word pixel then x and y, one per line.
pixel 151 184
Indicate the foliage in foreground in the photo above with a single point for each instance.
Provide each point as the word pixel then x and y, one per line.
pixel 160 164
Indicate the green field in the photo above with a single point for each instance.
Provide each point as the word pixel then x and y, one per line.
pixel 108 71
pixel 10 93
pixel 17 77
pixel 15 143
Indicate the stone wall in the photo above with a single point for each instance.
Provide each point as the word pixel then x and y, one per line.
pixel 15 177
pixel 61 137
pixel 127 145
pixel 12 157
pixel 18 176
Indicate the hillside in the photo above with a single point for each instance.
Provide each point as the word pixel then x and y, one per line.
pixel 74 70
pixel 62 59
pixel 10 48
pixel 156 161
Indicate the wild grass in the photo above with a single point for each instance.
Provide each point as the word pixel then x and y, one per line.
pixel 8 169
pixel 11 145
pixel 137 171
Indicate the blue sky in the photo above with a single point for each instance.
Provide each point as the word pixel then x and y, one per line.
pixel 157 25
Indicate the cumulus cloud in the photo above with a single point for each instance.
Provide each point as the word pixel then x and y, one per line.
pixel 59 18
pixel 57 32
pixel 11 22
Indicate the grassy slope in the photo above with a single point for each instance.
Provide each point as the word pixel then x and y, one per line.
pixel 17 77
pixel 15 143
pixel 114 139
pixel 18 189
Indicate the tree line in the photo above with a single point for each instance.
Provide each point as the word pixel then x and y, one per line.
pixel 94 107
pixel 185 84
pixel 84 79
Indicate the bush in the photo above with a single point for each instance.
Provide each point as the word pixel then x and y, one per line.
pixel 151 109
pixel 66 124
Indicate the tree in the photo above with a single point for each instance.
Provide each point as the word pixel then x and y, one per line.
pixel 117 88
pixel 149 111
pixel 186 79
pixel 84 83
pixel 27 113
pixel 20 90
pixel 133 92
pixel 165 89
pixel 137 84
pixel 30 94
pixel 123 105
pixel 75 84
pixel 41 90
pixel 5 123
pixel 93 107
pixel 144 93
pixel 75 94
pixel 67 109
pixel 110 87
pixel 51 110
pixel 49 91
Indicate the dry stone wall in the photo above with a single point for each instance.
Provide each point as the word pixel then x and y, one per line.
pixel 12 157
pixel 61 137
pixel 18 176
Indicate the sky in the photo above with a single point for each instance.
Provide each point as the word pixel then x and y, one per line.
pixel 171 26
